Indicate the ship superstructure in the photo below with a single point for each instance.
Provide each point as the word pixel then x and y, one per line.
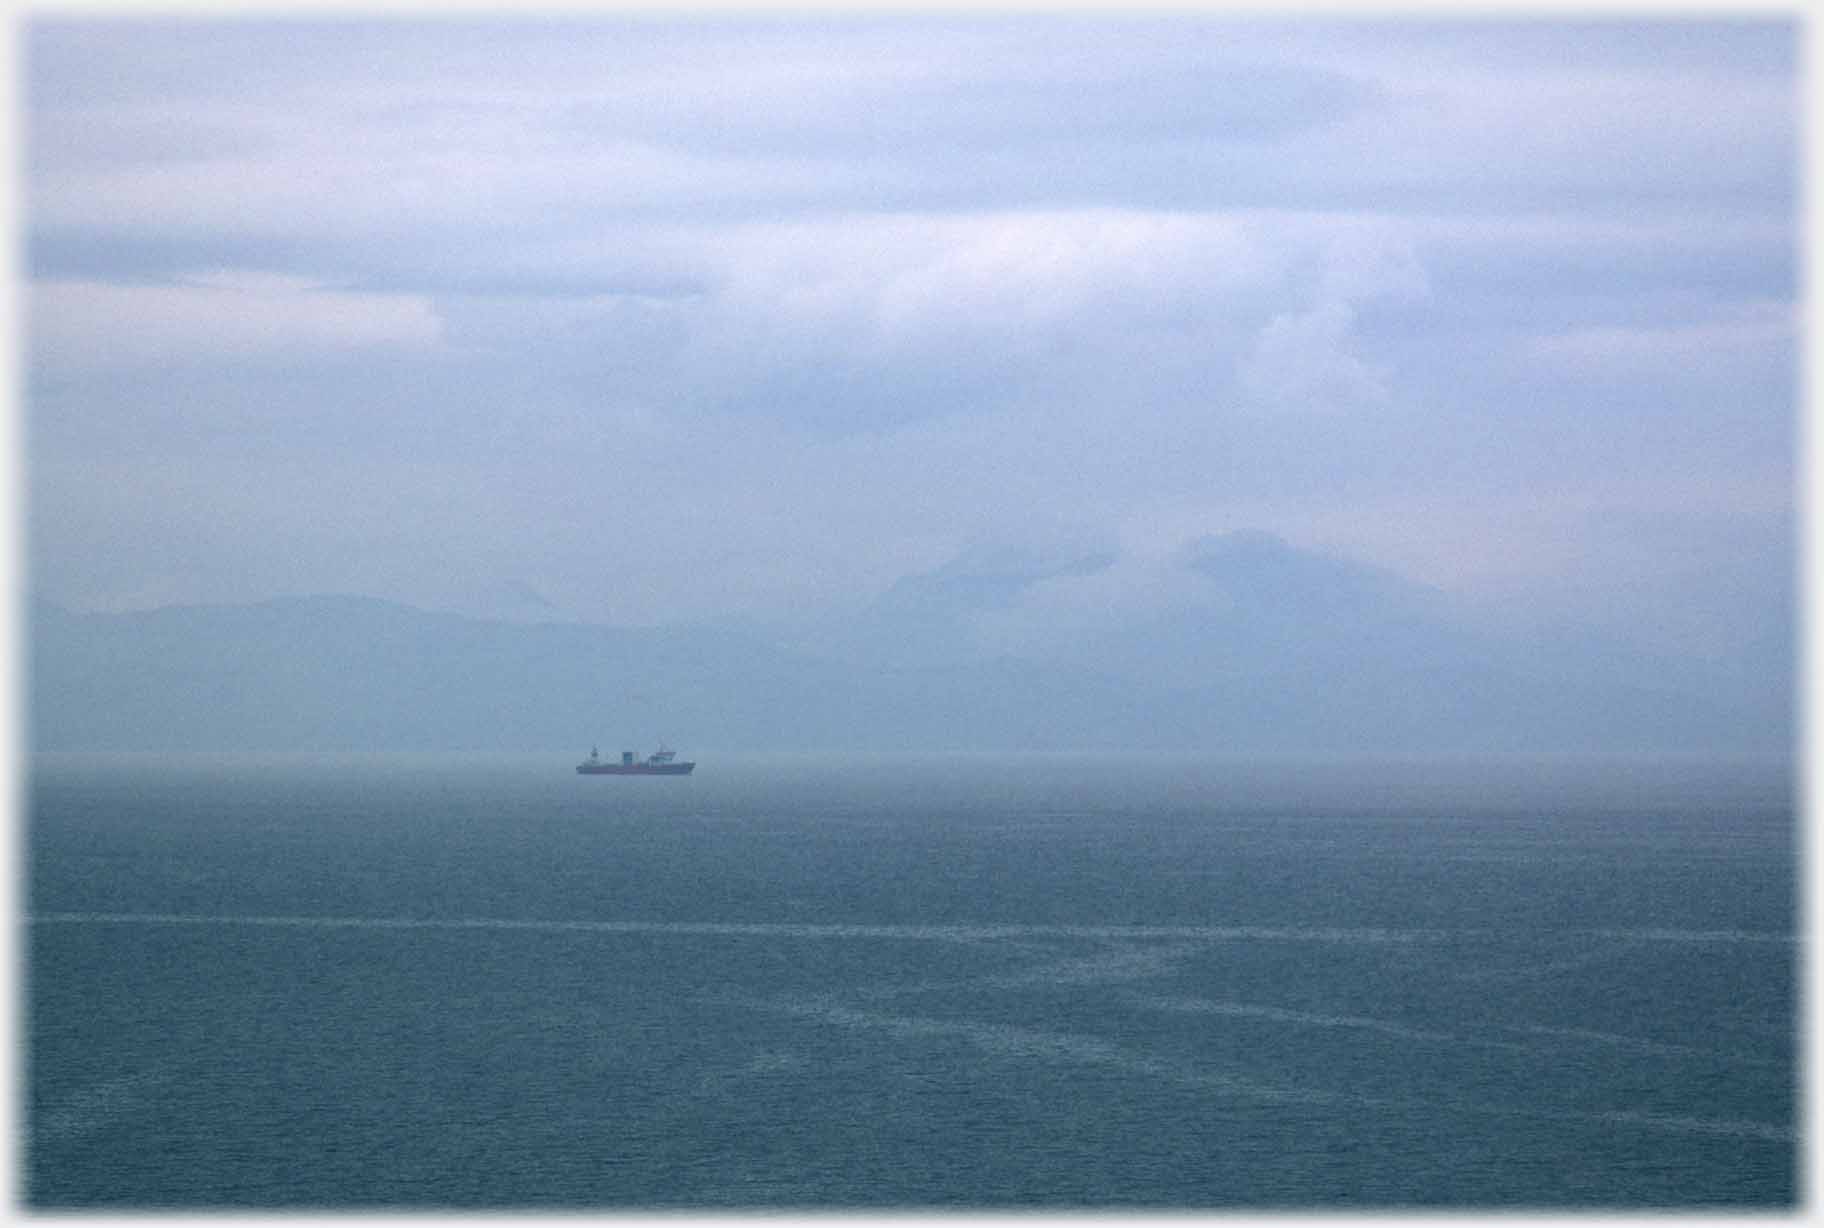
pixel 661 762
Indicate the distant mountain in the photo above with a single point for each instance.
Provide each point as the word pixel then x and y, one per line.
pixel 1262 609
pixel 352 673
pixel 928 618
pixel 1274 649
pixel 509 601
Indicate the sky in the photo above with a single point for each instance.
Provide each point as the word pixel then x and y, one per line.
pixel 642 320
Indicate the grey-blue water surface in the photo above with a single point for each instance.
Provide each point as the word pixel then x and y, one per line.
pixel 946 982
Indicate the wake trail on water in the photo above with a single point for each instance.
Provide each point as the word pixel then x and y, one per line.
pixel 1643 1045
pixel 787 929
pixel 1026 1043
pixel 941 933
pixel 99 1105
pixel 1274 1014
pixel 1403 1031
pixel 93 1107
pixel 1016 1041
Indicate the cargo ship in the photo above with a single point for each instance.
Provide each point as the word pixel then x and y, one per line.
pixel 661 762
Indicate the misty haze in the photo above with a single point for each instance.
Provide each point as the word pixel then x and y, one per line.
pixel 1229 586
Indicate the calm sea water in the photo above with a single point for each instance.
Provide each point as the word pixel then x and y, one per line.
pixel 486 982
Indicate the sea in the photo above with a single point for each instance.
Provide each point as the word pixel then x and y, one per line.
pixel 1115 983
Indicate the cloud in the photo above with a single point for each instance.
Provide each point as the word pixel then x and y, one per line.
pixel 218 317
pixel 909 283
pixel 867 322
pixel 1303 360
pixel 832 301
pixel 1618 119
pixel 357 127
pixel 1757 333
pixel 1308 358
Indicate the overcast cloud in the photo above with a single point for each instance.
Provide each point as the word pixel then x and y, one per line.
pixel 679 320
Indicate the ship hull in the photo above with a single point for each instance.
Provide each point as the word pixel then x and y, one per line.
pixel 636 769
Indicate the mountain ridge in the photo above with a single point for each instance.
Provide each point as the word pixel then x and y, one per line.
pixel 1283 669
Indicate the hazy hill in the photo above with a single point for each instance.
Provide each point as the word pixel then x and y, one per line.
pixel 324 673
pixel 1279 649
